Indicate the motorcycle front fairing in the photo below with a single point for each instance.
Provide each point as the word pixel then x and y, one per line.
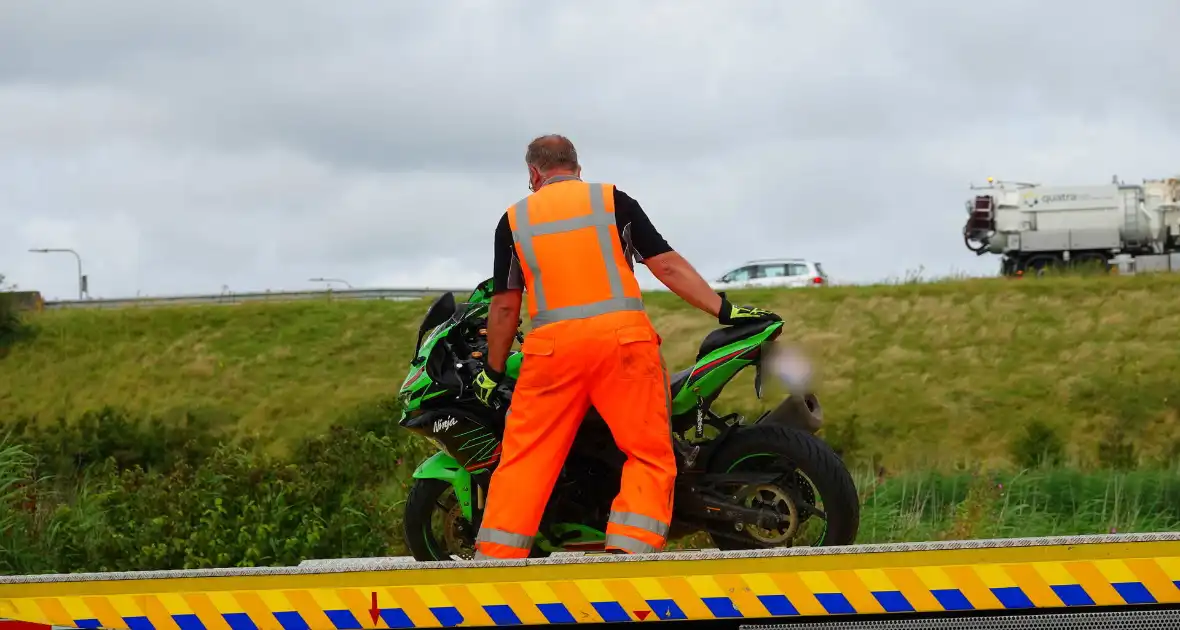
pixel 435 395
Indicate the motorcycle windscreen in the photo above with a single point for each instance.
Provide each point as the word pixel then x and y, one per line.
pixel 482 292
pixel 440 311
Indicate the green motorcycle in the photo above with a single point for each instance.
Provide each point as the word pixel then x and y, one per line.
pixel 749 485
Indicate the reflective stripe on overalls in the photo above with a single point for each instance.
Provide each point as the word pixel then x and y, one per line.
pixel 503 539
pixel 630 544
pixel 603 222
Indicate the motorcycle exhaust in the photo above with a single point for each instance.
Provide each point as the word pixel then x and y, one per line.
pixel 798 412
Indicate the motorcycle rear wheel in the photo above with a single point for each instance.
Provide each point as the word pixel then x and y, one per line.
pixel 811 470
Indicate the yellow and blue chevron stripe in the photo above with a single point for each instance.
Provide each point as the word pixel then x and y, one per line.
pixel 1090 575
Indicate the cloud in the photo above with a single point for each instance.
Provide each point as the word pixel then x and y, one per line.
pixel 255 145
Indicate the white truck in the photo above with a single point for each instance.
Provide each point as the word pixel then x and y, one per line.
pixel 1033 227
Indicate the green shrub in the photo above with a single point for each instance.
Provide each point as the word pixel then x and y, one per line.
pixel 65 448
pixel 338 495
pixel 111 492
pixel 1116 449
pixel 1038 445
pixel 245 509
pixel 18 489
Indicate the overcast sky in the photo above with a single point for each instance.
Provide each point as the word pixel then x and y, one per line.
pixel 185 146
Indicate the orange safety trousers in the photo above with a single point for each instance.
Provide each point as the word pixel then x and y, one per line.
pixel 611 361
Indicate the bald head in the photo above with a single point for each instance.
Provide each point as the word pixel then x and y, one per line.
pixel 552 153
pixel 548 157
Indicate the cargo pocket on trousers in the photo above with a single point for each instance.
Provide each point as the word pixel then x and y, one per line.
pixel 535 370
pixel 639 356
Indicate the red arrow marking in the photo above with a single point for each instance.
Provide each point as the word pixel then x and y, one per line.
pixel 642 614
pixel 374 611
pixel 7 624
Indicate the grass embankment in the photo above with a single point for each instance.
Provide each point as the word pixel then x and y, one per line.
pixel 968 409
pixel 915 376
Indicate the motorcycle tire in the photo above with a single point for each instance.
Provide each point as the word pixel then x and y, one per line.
pixel 810 456
pixel 421 505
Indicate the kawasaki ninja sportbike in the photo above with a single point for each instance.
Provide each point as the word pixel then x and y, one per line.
pixel 749 485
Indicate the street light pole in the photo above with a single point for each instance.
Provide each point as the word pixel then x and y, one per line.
pixel 81 278
pixel 330 280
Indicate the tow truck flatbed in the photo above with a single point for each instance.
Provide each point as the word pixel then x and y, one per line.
pixel 927 581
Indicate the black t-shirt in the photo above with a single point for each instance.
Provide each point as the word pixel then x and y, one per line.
pixel 639 237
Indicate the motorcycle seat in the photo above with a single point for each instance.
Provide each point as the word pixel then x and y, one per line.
pixel 724 336
pixel 676 381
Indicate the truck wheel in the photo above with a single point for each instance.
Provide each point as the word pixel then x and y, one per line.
pixel 1039 265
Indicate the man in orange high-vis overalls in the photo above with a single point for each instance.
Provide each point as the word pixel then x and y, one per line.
pixel 569 246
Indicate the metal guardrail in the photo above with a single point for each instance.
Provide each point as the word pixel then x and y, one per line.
pixel 260 296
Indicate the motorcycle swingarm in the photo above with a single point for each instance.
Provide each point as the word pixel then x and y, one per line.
pixel 704 504
pixel 714 509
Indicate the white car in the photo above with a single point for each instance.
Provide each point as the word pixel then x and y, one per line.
pixel 773 273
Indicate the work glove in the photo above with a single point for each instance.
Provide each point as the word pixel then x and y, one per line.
pixel 485 385
pixel 731 315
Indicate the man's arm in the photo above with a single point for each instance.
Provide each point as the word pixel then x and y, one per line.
pixel 665 264
pixel 503 318
pixel 682 279
pixel 504 312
